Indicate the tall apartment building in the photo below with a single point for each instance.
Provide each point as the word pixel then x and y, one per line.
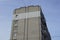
pixel 29 24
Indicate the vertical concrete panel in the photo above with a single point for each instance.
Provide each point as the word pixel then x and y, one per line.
pixel 20 35
pixel 33 28
pixel 26 36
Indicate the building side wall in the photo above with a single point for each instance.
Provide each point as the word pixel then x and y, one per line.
pixel 33 29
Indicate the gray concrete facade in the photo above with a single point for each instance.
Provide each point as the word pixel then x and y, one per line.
pixel 27 24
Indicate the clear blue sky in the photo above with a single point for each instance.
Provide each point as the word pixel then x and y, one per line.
pixel 50 8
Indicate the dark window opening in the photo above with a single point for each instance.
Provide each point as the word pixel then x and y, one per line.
pixel 15 21
pixel 16 15
pixel 14 39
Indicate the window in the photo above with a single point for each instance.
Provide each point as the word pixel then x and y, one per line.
pixel 14 39
pixel 15 34
pixel 15 30
pixel 16 15
pixel 44 33
pixel 15 27
pixel 43 27
pixel 15 21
